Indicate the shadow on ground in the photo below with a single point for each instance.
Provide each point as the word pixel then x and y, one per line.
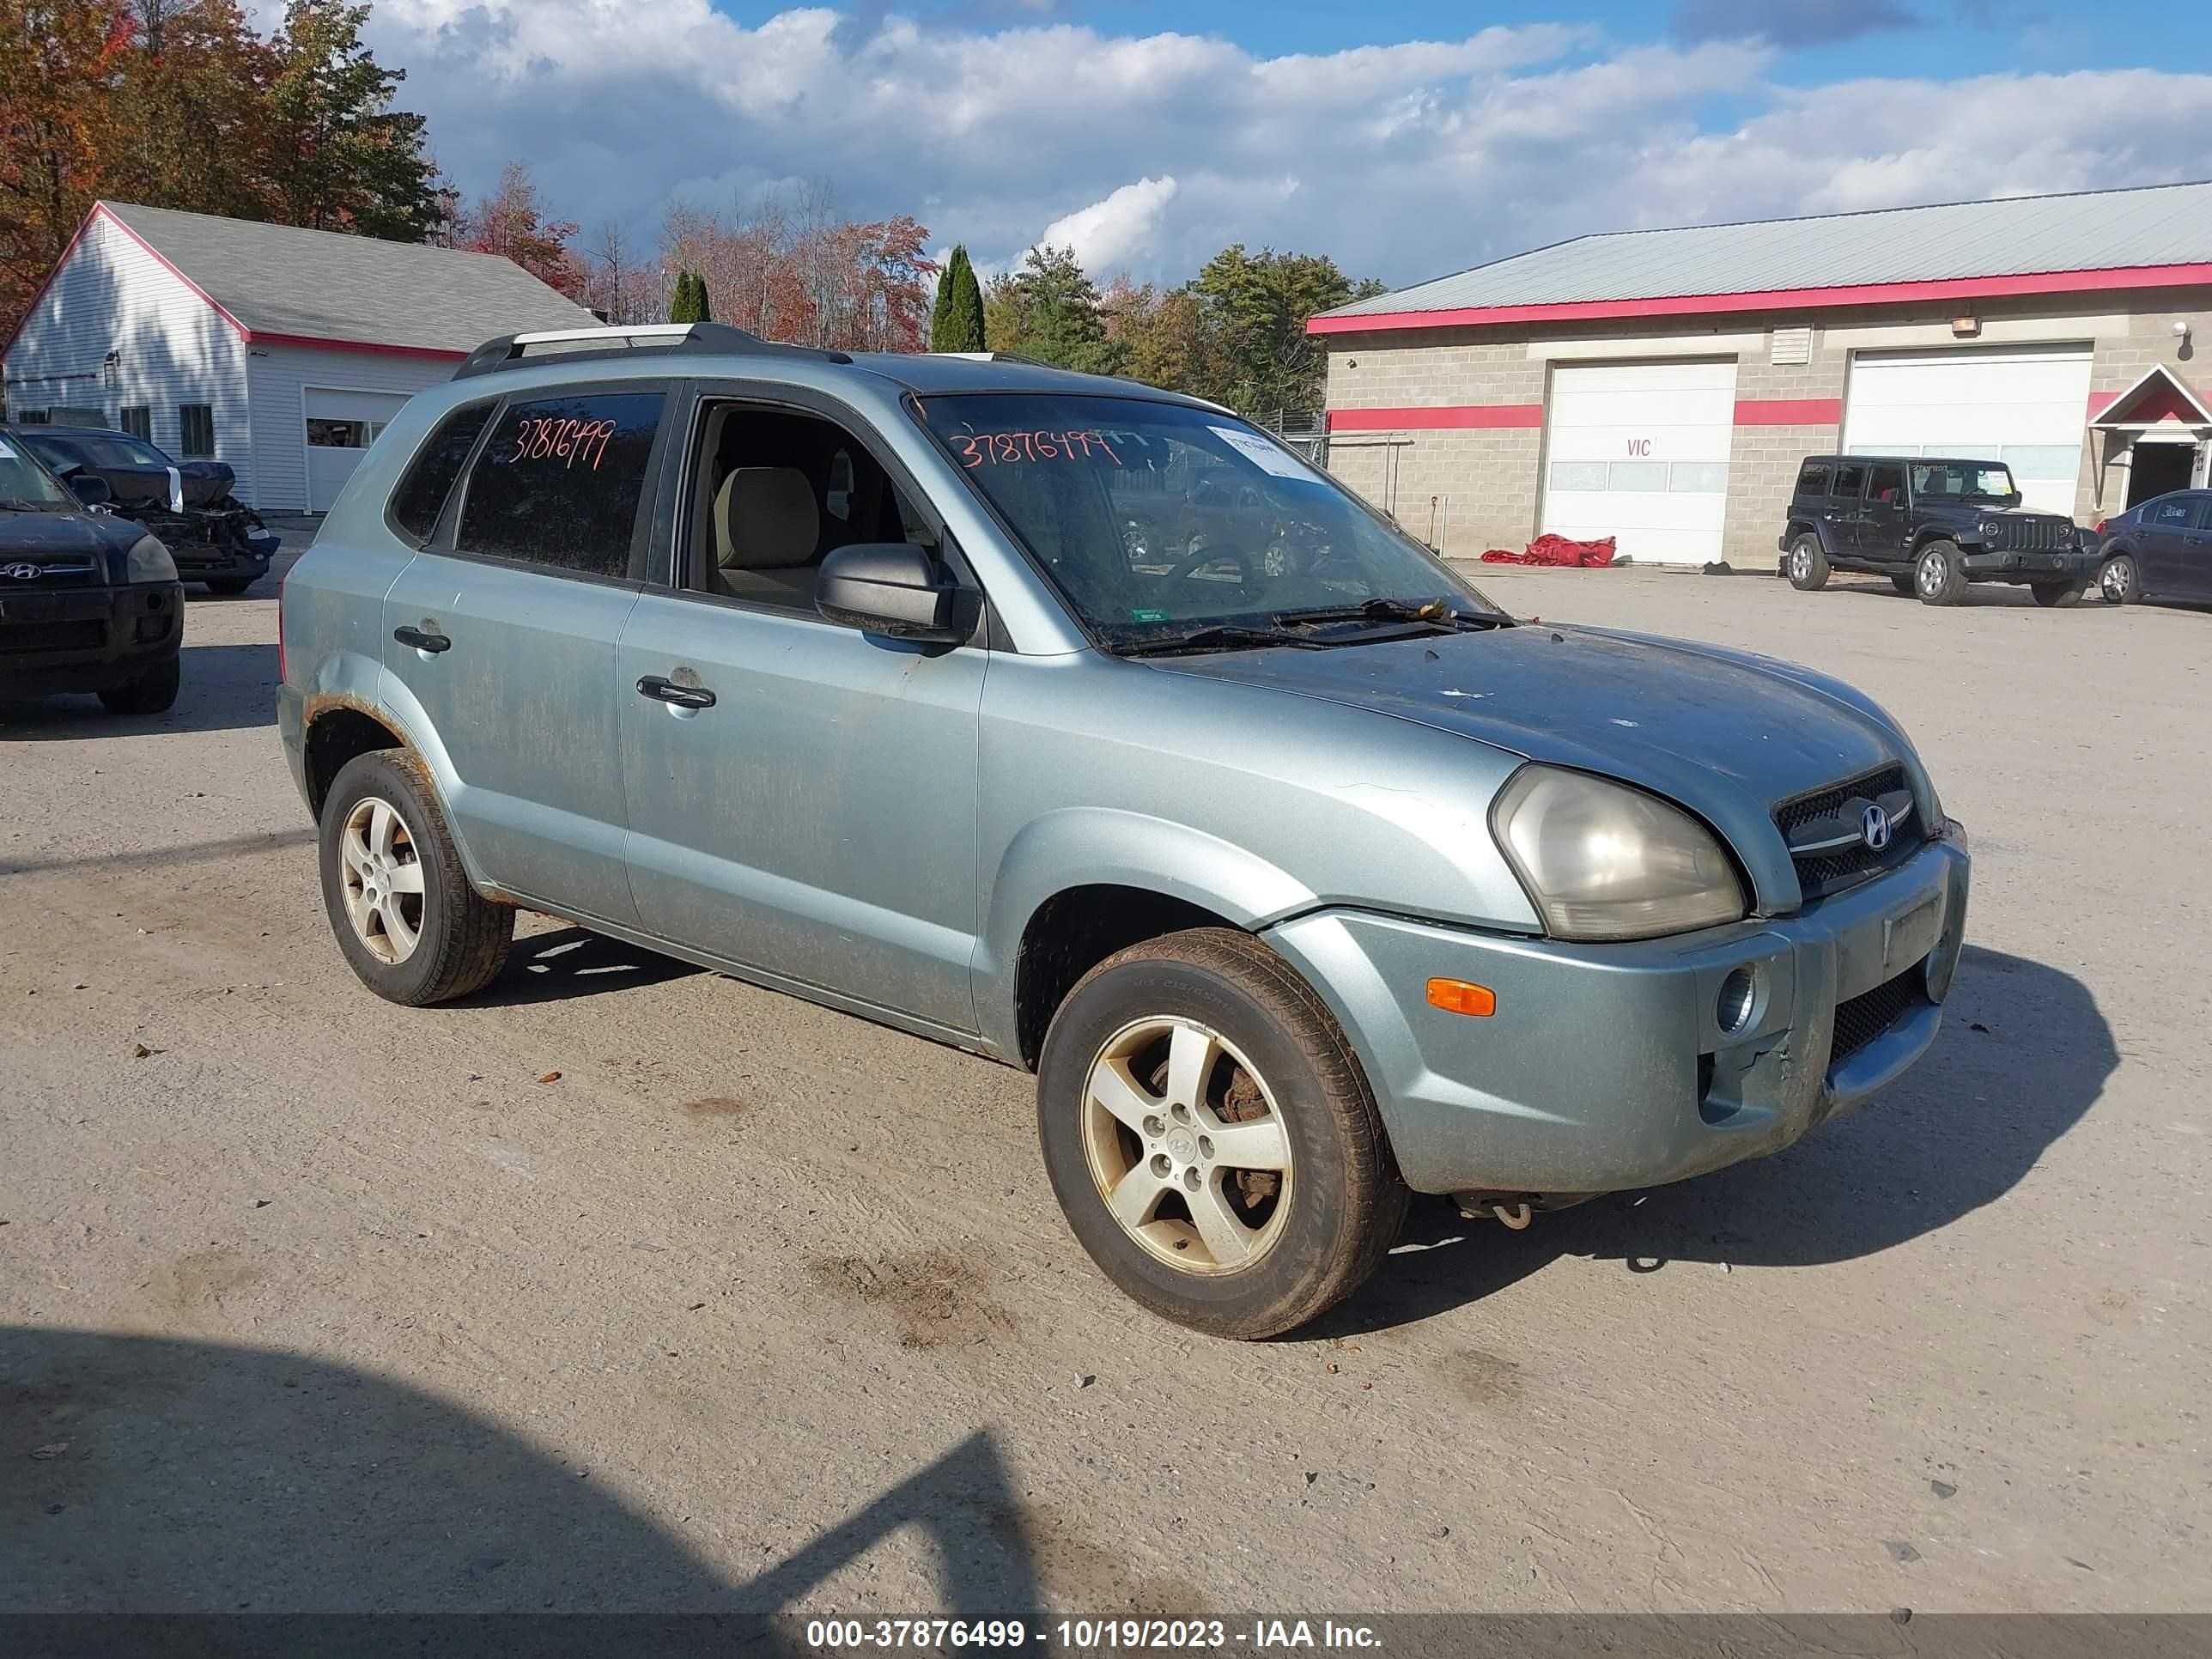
pixel 2024 1054
pixel 150 1475
pixel 572 962
pixel 225 688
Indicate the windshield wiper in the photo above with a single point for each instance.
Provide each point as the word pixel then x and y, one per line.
pixel 1435 612
pixel 16 504
pixel 1218 635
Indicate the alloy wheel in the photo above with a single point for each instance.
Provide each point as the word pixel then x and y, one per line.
pixel 2114 583
pixel 1801 562
pixel 1931 573
pixel 383 877
pixel 1186 1144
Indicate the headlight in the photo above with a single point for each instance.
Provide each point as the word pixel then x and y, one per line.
pixel 1991 529
pixel 149 562
pixel 1602 860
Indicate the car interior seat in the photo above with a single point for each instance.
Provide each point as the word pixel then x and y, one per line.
pixel 768 532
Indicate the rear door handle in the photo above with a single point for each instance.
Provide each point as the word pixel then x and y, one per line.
pixel 423 640
pixel 663 689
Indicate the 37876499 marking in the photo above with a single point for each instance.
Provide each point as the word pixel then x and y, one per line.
pixel 922 1634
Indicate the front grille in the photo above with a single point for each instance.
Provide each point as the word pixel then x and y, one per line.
pixel 17 639
pixel 2035 535
pixel 1821 873
pixel 52 572
pixel 1867 1015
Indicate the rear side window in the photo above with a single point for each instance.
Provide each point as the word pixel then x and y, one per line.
pixel 2171 513
pixel 558 483
pixel 1813 480
pixel 1848 480
pixel 429 477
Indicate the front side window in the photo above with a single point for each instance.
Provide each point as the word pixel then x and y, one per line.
pixel 558 482
pixel 430 476
pixel 1886 486
pixel 1962 481
pixel 196 430
pixel 1150 516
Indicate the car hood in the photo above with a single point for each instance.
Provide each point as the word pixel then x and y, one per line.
pixel 36 537
pixel 1726 733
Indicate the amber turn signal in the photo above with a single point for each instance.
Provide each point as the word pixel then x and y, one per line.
pixel 1459 996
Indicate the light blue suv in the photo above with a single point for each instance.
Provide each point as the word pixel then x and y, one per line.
pixel 1087 727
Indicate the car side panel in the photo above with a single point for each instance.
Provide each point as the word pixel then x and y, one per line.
pixel 333 644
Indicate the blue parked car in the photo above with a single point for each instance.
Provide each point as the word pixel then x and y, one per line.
pixel 1088 728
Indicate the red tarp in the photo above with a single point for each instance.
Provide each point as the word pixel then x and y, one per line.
pixel 1556 551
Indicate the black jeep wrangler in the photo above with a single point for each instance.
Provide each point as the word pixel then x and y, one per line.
pixel 1932 525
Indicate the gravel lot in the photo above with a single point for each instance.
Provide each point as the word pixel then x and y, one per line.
pixel 308 1302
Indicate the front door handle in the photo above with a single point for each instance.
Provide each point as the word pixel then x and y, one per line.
pixel 423 640
pixel 663 689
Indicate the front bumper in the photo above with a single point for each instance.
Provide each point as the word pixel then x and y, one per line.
pixel 1605 1066
pixel 87 639
pixel 2004 564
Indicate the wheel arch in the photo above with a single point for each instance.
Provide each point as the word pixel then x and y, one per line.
pixel 1077 886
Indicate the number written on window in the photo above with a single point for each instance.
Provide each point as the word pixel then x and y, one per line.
pixel 557 482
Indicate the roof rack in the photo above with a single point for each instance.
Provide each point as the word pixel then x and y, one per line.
pixel 512 350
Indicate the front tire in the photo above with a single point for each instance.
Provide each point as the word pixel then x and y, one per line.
pixel 407 920
pixel 2118 581
pixel 1211 1137
pixel 1938 576
pixel 153 692
pixel 1809 565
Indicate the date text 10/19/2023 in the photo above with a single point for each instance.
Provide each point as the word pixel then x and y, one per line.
pixel 1090 1635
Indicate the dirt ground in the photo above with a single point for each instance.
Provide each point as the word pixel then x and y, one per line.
pixel 309 1302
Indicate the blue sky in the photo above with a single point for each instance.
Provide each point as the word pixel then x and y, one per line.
pixel 1405 137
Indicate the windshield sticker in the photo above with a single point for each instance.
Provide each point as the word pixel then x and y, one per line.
pixel 1005 448
pixel 1148 616
pixel 1263 454
pixel 566 441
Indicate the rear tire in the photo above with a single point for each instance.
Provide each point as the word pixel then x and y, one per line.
pixel 1211 1137
pixel 2118 581
pixel 1808 566
pixel 2052 595
pixel 407 920
pixel 151 693
pixel 1938 575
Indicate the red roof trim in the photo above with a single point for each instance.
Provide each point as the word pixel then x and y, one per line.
pixel 316 342
pixel 1782 299
pixel 1789 411
pixel 1437 417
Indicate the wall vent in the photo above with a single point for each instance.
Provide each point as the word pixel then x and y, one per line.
pixel 1790 346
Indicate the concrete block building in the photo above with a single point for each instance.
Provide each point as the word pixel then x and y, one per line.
pixel 1660 387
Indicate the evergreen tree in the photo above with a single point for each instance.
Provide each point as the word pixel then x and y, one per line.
pixel 688 304
pixel 1059 316
pixel 956 324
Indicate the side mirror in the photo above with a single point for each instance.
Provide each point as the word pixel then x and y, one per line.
pixel 90 488
pixel 893 588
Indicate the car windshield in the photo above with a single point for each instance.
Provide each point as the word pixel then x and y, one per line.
pixel 1962 481
pixel 1162 523
pixel 25 484
pixel 102 449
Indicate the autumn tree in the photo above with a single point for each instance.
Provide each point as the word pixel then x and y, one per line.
pixel 512 222
pixel 956 324
pixel 1160 331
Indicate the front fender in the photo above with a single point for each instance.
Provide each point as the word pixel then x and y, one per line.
pixel 1100 846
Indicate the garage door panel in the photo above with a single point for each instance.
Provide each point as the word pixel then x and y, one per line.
pixel 1639 452
pixel 2026 406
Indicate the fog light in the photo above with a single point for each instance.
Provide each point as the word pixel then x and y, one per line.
pixel 1739 999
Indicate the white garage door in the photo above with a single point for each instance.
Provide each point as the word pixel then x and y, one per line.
pixel 2024 405
pixel 1639 452
pixel 341 426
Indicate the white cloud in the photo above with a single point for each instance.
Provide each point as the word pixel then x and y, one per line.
pixel 1402 161
pixel 1116 231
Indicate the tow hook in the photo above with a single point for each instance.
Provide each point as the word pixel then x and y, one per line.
pixel 1477 1207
